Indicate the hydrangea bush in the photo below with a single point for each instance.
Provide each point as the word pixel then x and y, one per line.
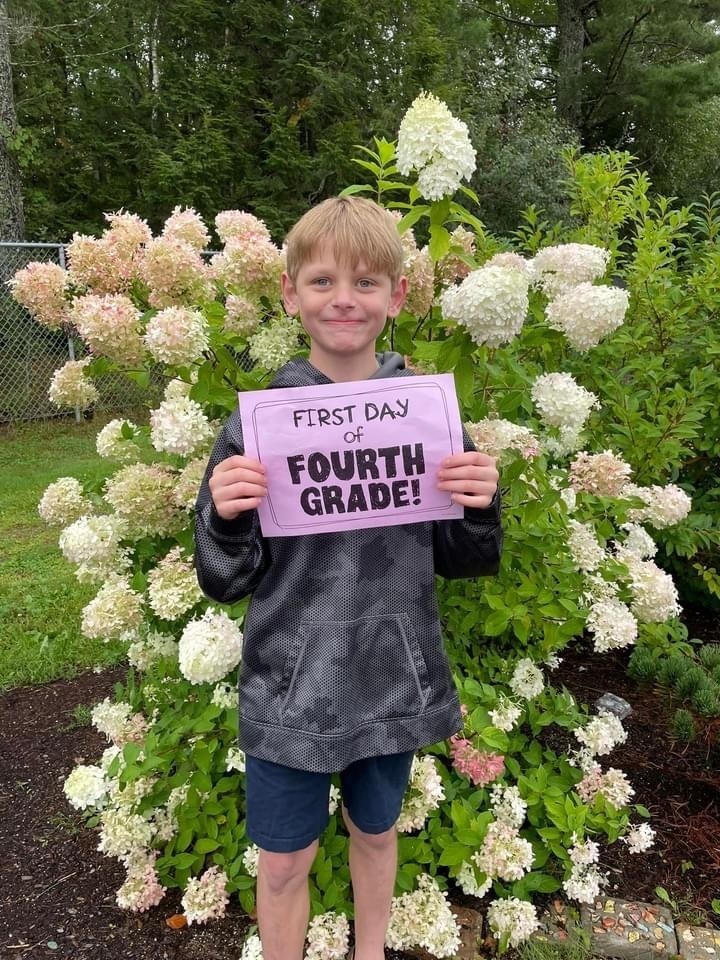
pixel 523 798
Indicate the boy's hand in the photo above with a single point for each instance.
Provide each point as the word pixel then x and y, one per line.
pixel 470 476
pixel 237 484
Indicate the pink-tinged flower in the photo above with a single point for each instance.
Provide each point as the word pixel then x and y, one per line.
pixel 92 265
pixel 451 268
pixel 420 273
pixel 205 897
pixel 142 888
pixel 111 326
pixel 239 225
pixel 480 767
pixel 187 225
pixel 601 473
pixel 252 264
pixel 40 288
pixel 175 273
pixel 126 235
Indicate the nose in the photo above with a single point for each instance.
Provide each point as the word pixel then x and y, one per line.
pixel 343 296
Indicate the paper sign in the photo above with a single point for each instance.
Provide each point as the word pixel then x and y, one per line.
pixel 342 456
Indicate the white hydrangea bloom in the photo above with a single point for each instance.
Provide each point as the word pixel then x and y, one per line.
pixel 146 650
pixel 64 502
pixel 180 426
pixel 612 624
pixel 242 315
pixel 637 541
pixel 468 883
pixel 512 920
pixel 639 838
pixel 93 545
pixel 328 937
pixel 569 498
pixel 119 724
pixel 655 597
pixel 187 225
pixel 173 587
pixel 584 854
pixel 165 818
pixel 527 680
pixel 436 144
pixel 507 805
pixel 514 262
pixel 491 303
pixel 252 948
pixel 586 552
pixel 114 613
pixel 86 787
pixel 666 505
pixel 112 445
pixel 205 897
pixel 496 436
pixel 504 854
pixel 142 494
pixel 70 387
pixel 250 859
pixel 334 799
pixel 177 335
pixel 505 715
pixel 123 833
pixel 616 789
pixel 188 483
pixel 423 918
pixel 210 647
pixel 583 884
pixel 561 267
pixel 586 313
pixel 562 402
pixel 235 759
pixel 225 695
pixel 425 793
pixel 178 388
pixel 601 734
pixel 274 343
pixel 141 889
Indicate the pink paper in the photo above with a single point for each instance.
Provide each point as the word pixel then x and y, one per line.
pixel 343 456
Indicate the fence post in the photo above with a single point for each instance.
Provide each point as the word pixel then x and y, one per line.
pixel 71 344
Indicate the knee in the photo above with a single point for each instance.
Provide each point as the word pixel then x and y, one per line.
pixel 284 871
pixel 378 842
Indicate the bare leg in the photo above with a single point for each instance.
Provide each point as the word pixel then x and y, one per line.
pixel 283 902
pixel 373 865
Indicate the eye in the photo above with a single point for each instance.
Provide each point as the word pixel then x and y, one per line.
pixel 321 281
pixel 366 283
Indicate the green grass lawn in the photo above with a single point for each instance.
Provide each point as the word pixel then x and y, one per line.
pixel 40 599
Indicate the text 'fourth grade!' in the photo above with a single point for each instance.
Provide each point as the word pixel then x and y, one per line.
pixel 340 456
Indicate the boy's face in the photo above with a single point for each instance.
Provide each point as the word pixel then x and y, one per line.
pixel 343 309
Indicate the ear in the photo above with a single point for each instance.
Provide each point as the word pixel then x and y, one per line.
pixel 289 294
pixel 398 297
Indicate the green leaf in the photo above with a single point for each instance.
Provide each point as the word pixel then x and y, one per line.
pixel 496 623
pixel 206 845
pixel 439 242
pixel 464 373
pixel 454 853
pixel 356 188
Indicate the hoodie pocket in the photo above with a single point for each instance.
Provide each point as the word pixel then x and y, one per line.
pixel 341 674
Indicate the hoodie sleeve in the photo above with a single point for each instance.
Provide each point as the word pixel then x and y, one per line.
pixel 472 546
pixel 231 556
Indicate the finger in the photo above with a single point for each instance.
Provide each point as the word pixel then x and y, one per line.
pixel 239 461
pixel 237 491
pixel 469 456
pixel 238 475
pixel 476 487
pixel 230 510
pixel 469 472
pixel 466 500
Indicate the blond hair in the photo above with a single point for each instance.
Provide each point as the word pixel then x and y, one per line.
pixel 354 229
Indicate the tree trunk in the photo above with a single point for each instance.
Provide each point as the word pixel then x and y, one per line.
pixel 571 39
pixel 12 223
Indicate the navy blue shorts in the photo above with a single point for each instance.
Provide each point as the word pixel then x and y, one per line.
pixel 287 809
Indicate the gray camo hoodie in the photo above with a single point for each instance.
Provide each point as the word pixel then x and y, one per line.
pixel 343 657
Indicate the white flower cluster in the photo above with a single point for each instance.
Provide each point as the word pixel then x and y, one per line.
pixel 637 541
pixel 586 552
pixel 173 588
pixel 209 647
pixel 70 387
pixel 187 225
pixel 612 624
pixel 252 948
pixel 225 695
pixel 141 889
pixel 86 786
pixel 177 335
pixel 112 445
pixel 559 268
pixel 639 838
pixel 123 833
pixel 425 793
pixel 423 919
pixel 512 920
pixel 436 144
pixel 188 483
pixel 505 715
pixel 655 598
pixel 602 734
pixel 205 897
pixel 146 650
pixel 235 759
pixel 142 494
pixel 114 613
pixel 563 403
pixel 64 502
pixel 93 545
pixel 504 853
pixel 491 303
pixel 527 680
pixel 513 261
pixel 585 880
pixel 507 805
pixel 250 859
pixel 328 937
pixel 242 315
pixel 118 723
pixel 180 426
pixel 665 505
pixel 165 817
pixel 334 799
pixel 496 437
pixel 586 313
pixel 274 343
pixel 613 785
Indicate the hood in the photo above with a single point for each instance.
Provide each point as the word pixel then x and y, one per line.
pixel 299 372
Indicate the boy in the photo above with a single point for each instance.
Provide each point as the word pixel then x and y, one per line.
pixel 343 666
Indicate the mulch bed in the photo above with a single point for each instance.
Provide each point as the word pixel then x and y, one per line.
pixel 57 893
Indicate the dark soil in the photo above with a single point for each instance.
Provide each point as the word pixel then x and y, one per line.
pixel 57 893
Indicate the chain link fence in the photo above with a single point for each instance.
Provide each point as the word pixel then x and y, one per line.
pixel 30 353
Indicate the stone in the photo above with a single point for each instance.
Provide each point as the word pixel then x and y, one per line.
pixel 698 943
pixel 470 922
pixel 612 704
pixel 630 930
pixel 558 921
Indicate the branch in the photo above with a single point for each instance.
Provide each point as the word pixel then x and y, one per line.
pixel 618 57
pixel 519 23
